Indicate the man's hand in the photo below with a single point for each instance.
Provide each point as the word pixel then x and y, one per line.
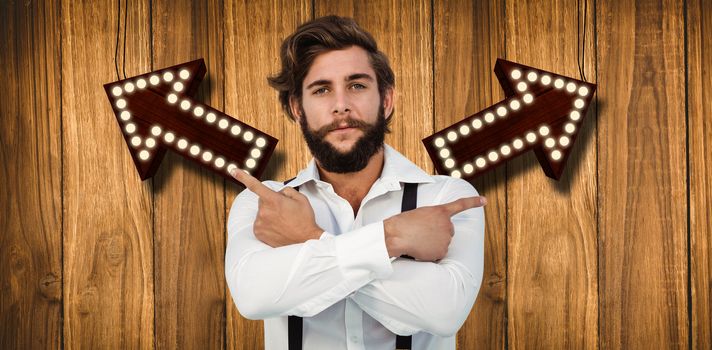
pixel 425 233
pixel 283 217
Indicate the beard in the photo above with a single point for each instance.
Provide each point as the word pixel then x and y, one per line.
pixel 331 159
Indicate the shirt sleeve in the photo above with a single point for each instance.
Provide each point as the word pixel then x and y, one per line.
pixel 299 279
pixel 433 297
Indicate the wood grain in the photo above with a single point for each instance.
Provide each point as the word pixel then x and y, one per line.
pixel 410 54
pixel 468 39
pixel 30 176
pixel 189 200
pixel 699 61
pixel 254 31
pixel 551 256
pixel 642 174
pixel 108 241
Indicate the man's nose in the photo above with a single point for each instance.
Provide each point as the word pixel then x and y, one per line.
pixel 342 104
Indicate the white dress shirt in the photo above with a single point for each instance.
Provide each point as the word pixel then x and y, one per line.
pixel 351 294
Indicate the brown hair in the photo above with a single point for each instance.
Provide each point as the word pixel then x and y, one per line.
pixel 318 36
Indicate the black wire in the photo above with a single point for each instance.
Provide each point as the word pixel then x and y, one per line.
pixel 126 12
pixel 578 37
pixel 118 25
pixel 583 58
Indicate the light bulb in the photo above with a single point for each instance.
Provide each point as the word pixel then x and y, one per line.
pixel 514 105
pixel 531 76
pixel 198 111
pixel 125 115
pixel 143 155
pixel 223 124
pixel 178 86
pixel 489 117
pixel 528 98
pixel 150 142
pixel 154 79
pixel 248 135
pixel 516 74
pixel 116 91
pixel 543 130
pixel 169 137
pixel 546 80
pixel 172 98
pixel 129 87
pixel 452 136
pixel 501 111
pixel 444 153
pixel 250 163
pixel 255 153
pixel 168 76
pixel 468 168
pixel 194 150
pixel 439 142
pixel 456 174
pixel 477 123
pixel 219 162
pixel 480 162
pixel 260 141
pixel 136 141
pixel 185 105
pixel 464 130
pixel 156 130
pixel 522 86
pixel 449 163
pixel 210 118
pixel 570 87
pixel 141 83
pixel 184 74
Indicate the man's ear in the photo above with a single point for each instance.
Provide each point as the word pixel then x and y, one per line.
pixel 294 108
pixel 388 101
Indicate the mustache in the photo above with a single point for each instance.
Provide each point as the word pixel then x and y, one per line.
pixel 350 122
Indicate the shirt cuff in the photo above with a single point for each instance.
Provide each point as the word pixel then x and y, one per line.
pixel 364 250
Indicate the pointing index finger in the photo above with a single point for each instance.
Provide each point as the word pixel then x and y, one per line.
pixel 463 204
pixel 252 183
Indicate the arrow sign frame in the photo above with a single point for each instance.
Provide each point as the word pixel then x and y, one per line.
pixel 542 111
pixel 156 112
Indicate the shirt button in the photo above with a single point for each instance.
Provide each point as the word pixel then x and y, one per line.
pixel 354 339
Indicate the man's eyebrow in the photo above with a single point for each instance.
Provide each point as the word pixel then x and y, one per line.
pixel 349 78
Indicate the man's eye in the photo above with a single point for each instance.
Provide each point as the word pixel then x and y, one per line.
pixel 358 86
pixel 319 91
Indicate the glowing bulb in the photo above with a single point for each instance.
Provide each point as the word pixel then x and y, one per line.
pixel 556 155
pixel 444 153
pixel 116 91
pixel 452 136
pixel 156 130
pixel 456 174
pixel 184 74
pixel 522 86
pixel 543 130
pixel 169 137
pixel 185 105
pixel 518 144
pixel 136 141
pixel 528 98
pixel 516 74
pixel 178 86
pixel 578 103
pixel 550 142
pixel 130 128
pixel 154 79
pixel 464 130
pixel 250 163
pixel 150 142
pixel 141 83
pixel 143 155
pixel 489 117
pixel 575 115
pixel 492 156
pixel 182 144
pixel 546 80
pixel 260 141
pixel 125 115
pixel 514 105
pixel 501 111
pixel 583 91
pixel 480 162
pixel 477 123
pixel 210 118
pixel 168 76
pixel 558 83
pixel 564 141
pixel 505 150
pixel 219 162
pixel 439 142
pixel 468 168
pixel 449 163
pixel 207 156
pixel 248 135
pixel 531 76
pixel 255 153
pixel 531 137
pixel 121 103
pixel 231 167
pixel 198 111
pixel 235 130
pixel 223 124
pixel 569 128
pixel 194 150
pixel 172 98
pixel 129 87
pixel 570 87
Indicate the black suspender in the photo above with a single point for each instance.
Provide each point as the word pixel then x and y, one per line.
pixel 295 330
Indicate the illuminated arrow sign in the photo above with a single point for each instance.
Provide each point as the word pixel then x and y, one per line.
pixel 156 112
pixel 543 111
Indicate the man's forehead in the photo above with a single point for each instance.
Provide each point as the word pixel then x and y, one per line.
pixel 339 65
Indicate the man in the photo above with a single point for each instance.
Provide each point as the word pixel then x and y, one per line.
pixel 327 246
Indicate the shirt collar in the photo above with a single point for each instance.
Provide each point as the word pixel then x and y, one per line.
pixel 396 169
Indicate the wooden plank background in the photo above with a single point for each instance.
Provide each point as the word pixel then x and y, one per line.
pixel 617 254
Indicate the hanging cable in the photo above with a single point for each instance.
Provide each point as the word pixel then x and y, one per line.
pixel 118 26
pixel 126 12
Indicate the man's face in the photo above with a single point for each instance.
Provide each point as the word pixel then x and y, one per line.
pixel 342 114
